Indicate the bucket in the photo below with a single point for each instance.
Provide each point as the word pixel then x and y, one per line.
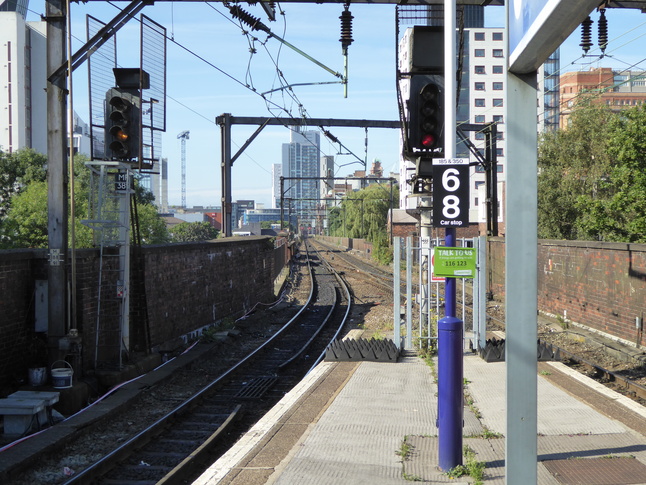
pixel 62 376
pixel 37 376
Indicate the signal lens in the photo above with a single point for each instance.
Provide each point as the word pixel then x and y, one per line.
pixel 428 140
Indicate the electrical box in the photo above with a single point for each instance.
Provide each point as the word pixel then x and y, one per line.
pixel 41 306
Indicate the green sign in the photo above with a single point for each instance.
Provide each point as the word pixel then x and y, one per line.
pixel 454 262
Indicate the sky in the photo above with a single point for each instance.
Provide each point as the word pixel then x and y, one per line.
pixel 214 66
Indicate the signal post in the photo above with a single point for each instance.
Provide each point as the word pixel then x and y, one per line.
pixel 442 182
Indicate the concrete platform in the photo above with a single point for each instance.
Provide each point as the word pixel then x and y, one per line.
pixel 359 431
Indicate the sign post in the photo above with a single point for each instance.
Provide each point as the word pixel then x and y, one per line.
pixel 452 208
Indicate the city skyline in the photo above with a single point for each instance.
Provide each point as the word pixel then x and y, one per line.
pixel 201 88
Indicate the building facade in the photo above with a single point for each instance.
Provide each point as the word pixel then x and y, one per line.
pixel 603 85
pixel 23 100
pixel 301 167
pixel 486 51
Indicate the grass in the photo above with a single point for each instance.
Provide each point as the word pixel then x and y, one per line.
pixel 562 322
pixel 405 450
pixel 472 467
pixel 208 334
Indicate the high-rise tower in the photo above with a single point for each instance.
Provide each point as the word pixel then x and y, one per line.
pixel 301 161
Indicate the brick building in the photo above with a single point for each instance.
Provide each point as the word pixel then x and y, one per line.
pixel 616 89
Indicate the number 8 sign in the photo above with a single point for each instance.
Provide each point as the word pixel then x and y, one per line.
pixel 450 192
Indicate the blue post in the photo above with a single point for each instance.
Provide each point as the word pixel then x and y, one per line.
pixel 449 290
pixel 450 376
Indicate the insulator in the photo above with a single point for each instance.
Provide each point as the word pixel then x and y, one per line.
pixel 330 136
pixel 346 28
pixel 586 34
pixel 603 30
pixel 248 19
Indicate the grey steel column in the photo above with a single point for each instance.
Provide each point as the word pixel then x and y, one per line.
pixel 521 280
pixel 396 292
pixel 409 291
pixel 481 294
pixel 57 177
pixel 224 121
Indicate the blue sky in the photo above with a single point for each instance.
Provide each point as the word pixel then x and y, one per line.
pixel 198 92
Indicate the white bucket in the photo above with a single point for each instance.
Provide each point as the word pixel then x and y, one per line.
pixel 62 377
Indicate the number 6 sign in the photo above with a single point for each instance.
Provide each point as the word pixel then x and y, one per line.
pixel 450 192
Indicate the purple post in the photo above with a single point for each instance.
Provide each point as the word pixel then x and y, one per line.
pixel 450 376
pixel 450 394
pixel 449 288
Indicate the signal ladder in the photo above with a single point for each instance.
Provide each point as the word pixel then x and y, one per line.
pixel 111 191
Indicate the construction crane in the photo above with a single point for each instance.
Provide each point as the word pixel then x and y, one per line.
pixel 183 136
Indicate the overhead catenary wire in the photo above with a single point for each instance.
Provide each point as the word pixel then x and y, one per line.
pixel 269 103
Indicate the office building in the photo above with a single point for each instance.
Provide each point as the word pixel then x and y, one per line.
pixel 301 170
pixel 23 100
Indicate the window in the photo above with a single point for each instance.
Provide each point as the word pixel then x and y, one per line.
pixel 498 119
pixel 500 135
pixel 497 36
pixel 497 86
pixel 479 119
pixel 479 36
pixel 480 169
pixel 497 69
pixel 497 53
pixel 479 53
pixel 479 102
pixel 479 135
pixel 480 70
pixel 478 184
pixel 480 86
pixel 497 102
pixel 500 152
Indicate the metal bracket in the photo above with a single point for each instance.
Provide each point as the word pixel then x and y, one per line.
pixel 55 257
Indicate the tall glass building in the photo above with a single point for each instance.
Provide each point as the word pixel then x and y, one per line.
pixel 301 169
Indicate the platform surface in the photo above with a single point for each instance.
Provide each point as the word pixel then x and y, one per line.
pixel 358 438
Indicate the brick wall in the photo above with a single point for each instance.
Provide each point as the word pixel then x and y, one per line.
pixel 187 286
pixel 17 284
pixel 596 284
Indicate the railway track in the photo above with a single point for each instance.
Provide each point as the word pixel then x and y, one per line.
pixel 626 385
pixel 171 449
pixel 611 379
pixel 226 412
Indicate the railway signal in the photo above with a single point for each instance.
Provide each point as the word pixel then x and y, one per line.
pixel 426 124
pixel 122 124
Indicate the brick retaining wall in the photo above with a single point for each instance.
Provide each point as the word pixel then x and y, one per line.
pixel 187 287
pixel 597 284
